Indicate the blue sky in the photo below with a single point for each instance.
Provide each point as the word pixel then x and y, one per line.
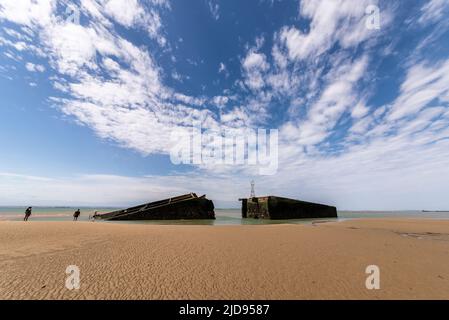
pixel 88 104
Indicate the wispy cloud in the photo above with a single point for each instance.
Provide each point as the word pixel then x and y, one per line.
pixel 424 84
pixel 433 11
pixel 34 67
pixel 331 21
pixel 214 9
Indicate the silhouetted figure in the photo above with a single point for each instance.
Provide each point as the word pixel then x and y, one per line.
pixel 27 213
pixel 76 215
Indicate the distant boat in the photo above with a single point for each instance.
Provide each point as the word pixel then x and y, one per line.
pixel 187 206
pixel 272 207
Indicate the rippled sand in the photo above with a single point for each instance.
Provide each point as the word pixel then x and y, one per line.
pixel 319 261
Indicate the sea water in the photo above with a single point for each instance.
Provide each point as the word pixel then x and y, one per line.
pixel 223 216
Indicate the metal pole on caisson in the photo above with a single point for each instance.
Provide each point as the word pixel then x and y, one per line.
pixel 253 193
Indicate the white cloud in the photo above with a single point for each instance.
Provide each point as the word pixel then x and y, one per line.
pixel 422 85
pixel 18 45
pixel 433 10
pixel 220 101
pixel 115 190
pixel 175 75
pixel 14 34
pixel 331 21
pixel 255 61
pixel 113 86
pixel 338 96
pixel 34 67
pixel 196 101
pixel 131 13
pixel 126 13
pixel 254 65
pixel 223 70
pixel 279 57
pixel 236 118
pixel 214 10
pixel 27 12
pixel 360 110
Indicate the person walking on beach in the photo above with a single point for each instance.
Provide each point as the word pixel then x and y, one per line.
pixel 27 213
pixel 76 215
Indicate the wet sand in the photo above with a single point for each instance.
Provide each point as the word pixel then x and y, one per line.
pixel 135 261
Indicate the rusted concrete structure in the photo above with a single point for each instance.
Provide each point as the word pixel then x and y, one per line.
pixel 187 206
pixel 272 207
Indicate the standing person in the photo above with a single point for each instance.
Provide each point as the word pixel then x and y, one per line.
pixel 27 213
pixel 76 215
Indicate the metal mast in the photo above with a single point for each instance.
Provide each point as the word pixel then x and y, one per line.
pixel 253 193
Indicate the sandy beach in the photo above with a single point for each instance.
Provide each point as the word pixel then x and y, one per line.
pixel 136 261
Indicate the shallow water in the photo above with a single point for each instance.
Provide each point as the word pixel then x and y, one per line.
pixel 223 216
